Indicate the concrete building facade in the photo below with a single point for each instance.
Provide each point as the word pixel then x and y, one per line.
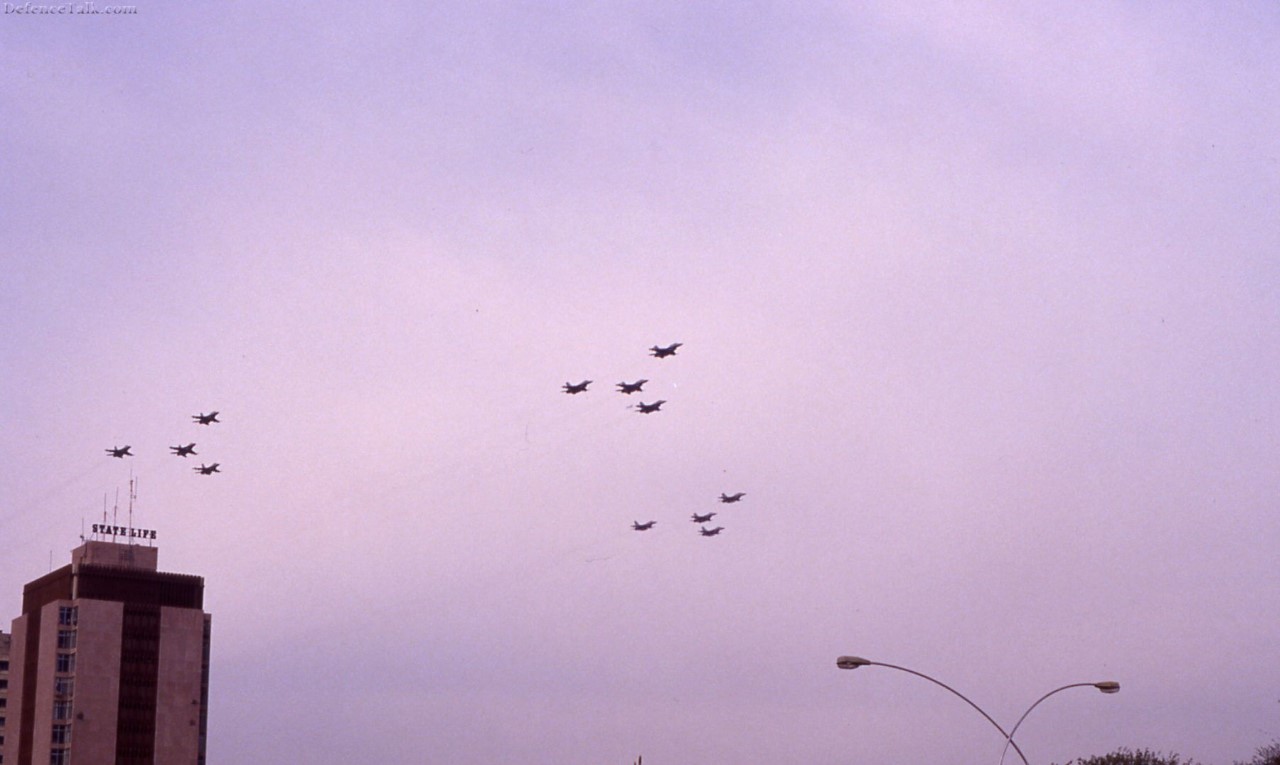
pixel 109 664
pixel 4 688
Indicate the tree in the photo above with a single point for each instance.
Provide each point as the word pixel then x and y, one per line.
pixel 1125 756
pixel 1266 755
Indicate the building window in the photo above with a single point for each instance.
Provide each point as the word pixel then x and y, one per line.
pixel 4 665
pixel 63 686
pixel 66 638
pixel 62 710
pixel 59 757
pixel 61 734
pixel 68 616
pixel 66 662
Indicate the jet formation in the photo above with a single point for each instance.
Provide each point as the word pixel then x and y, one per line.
pixel 627 388
pixel 120 452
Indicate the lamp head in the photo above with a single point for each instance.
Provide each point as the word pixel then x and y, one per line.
pixel 1108 686
pixel 853 662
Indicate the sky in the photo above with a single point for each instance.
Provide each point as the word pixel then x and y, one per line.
pixel 978 302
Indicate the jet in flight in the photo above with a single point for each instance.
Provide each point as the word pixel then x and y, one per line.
pixel 183 451
pixel 205 419
pixel 120 452
pixel 629 388
pixel 702 518
pixel 208 469
pixel 638 526
pixel 579 388
pixel 706 532
pixel 732 497
pixel 644 408
pixel 662 353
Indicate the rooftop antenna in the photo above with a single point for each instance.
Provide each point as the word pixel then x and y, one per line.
pixel 115 515
pixel 133 494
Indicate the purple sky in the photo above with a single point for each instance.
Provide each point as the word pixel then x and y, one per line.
pixel 979 305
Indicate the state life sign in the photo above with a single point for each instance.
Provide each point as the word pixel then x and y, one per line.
pixel 123 531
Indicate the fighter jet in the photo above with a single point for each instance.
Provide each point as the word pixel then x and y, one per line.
pixel 638 526
pixel 732 497
pixel 183 451
pixel 205 419
pixel 706 532
pixel 644 408
pixel 579 388
pixel 662 353
pixel 702 518
pixel 629 388
pixel 120 452
pixel 208 469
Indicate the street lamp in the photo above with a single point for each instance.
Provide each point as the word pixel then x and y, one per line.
pixel 853 662
pixel 1106 686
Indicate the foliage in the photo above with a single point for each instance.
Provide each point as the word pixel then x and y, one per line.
pixel 1125 756
pixel 1266 755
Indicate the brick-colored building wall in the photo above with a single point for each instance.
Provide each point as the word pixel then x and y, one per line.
pixel 108 664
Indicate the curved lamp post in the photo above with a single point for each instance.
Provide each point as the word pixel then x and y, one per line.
pixel 853 662
pixel 1106 686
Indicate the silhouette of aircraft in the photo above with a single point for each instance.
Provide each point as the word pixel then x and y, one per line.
pixel 183 451
pixel 644 408
pixel 120 452
pixel 706 532
pixel 662 353
pixel 702 518
pixel 629 388
pixel 579 388
pixel 205 419
pixel 638 526
pixel 208 469
pixel 732 497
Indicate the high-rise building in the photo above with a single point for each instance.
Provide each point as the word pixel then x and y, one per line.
pixel 109 664
pixel 4 688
